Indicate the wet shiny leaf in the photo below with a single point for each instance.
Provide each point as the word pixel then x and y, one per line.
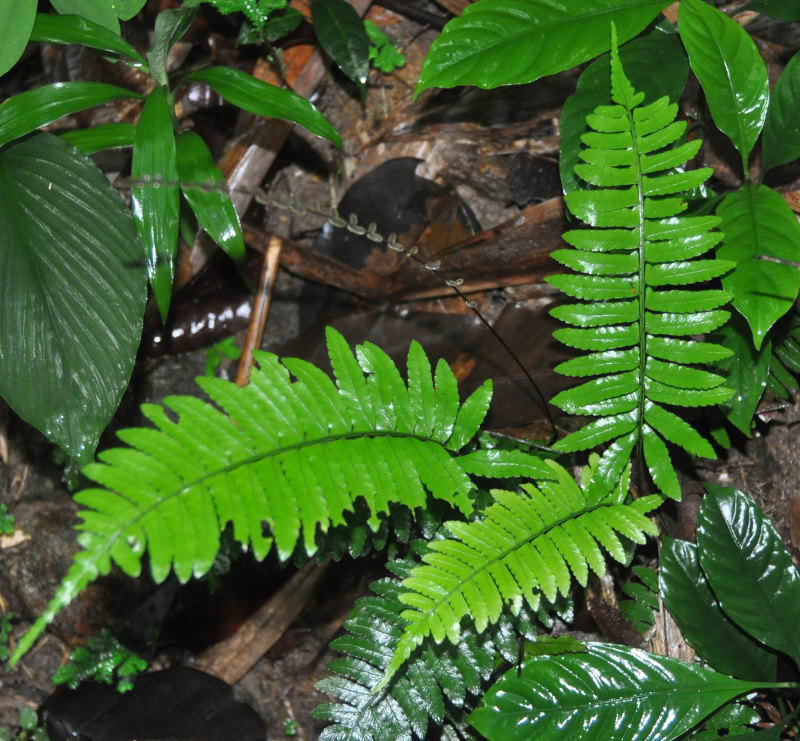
pixel 782 128
pixel 688 596
pixel 610 692
pixel 518 41
pixel 73 286
pixel 730 69
pixel 757 221
pixel 749 569
pixel 341 33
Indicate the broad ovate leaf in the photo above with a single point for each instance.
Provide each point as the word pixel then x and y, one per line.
pixel 749 569
pixel 730 69
pixel 517 41
pixel 101 13
pixel 757 221
pixel 16 17
pixel 73 286
pixel 688 596
pixel 609 692
pixel 782 128
pixel 156 204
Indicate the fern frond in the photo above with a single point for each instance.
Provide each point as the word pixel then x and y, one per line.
pixel 528 545
pixel 293 455
pixel 438 684
pixel 630 268
pixel 642 606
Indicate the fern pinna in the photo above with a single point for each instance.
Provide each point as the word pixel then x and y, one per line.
pixel 631 318
pixel 291 454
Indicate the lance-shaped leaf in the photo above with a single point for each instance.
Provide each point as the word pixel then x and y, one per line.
pixel 716 638
pixel 757 221
pixel 517 41
pixel 211 205
pixel 782 128
pixel 73 287
pixel 28 111
pixel 631 317
pixel 730 69
pixel 609 692
pixel 341 33
pixel 264 99
pixel 292 451
pixel 72 29
pixel 98 138
pixel 155 204
pixel 749 569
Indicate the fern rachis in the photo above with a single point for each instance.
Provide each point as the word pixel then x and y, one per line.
pixel 631 264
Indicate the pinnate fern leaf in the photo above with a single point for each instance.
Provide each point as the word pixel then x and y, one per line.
pixel 528 545
pixel 635 318
pixel 437 686
pixel 277 460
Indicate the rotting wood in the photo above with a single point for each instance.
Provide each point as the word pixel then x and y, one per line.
pixel 232 658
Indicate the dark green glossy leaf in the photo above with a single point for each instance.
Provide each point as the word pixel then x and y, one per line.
pixel 212 207
pixel 785 10
pixel 98 138
pixel 757 221
pixel 28 111
pixel 746 371
pixel 660 49
pixel 170 26
pixel 73 286
pixel 730 69
pixel 155 206
pixel 72 29
pixel 610 692
pixel 341 33
pixel 101 13
pixel 16 18
pixel 749 569
pixel 263 99
pixel 781 142
pixel 517 41
pixel 688 596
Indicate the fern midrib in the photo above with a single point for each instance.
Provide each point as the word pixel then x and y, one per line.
pixel 642 287
pixel 186 488
pixel 511 549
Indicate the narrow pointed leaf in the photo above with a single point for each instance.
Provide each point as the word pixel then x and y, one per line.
pixel 519 41
pixel 757 221
pixel 73 288
pixel 73 29
pixel 32 109
pixel 609 692
pixel 264 99
pixel 171 24
pixel 717 640
pixel 212 207
pixel 156 208
pixel 730 69
pixel 749 569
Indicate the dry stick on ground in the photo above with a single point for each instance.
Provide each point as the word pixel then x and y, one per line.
pixel 232 658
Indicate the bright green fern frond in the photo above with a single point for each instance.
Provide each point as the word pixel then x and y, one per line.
pixel 634 316
pixel 434 687
pixel 528 545
pixel 280 459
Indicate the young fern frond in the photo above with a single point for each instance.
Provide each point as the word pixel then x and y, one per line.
pixel 434 687
pixel 528 545
pixel 291 455
pixel 635 316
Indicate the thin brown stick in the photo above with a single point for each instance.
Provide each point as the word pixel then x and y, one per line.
pixel 261 305
pixel 232 658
